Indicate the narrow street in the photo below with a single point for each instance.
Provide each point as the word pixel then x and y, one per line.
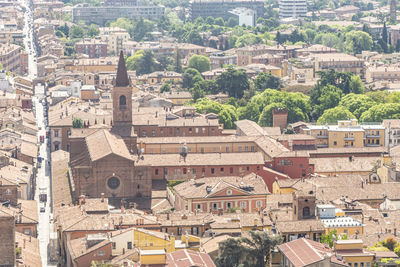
pixel 43 171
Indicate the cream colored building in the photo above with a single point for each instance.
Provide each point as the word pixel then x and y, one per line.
pixel 338 62
pixel 347 133
pixel 115 37
pixel 10 57
pixel 382 73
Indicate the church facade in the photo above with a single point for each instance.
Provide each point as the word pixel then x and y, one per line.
pixel 104 160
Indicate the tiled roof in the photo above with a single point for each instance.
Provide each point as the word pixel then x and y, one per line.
pixel 202 159
pixel 102 143
pixel 198 188
pixel 303 252
pixel 60 183
pixel 184 258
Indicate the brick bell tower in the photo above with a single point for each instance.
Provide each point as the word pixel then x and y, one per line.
pixel 122 106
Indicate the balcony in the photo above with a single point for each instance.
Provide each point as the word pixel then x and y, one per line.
pixel 372 145
pixel 322 136
pixel 349 138
pixel 322 145
pixel 372 136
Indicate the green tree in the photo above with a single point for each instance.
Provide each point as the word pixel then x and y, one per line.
pixel 254 250
pixel 190 77
pixel 131 62
pixel 219 21
pixel 76 32
pixel 230 253
pixel 205 105
pixel 227 116
pixel 331 116
pixel 380 112
pixel 178 64
pixel 165 88
pixel 357 41
pixel 390 243
pixel 356 85
pixel 199 62
pixel 267 81
pixel 249 112
pixel 92 31
pixel 329 98
pixel 194 37
pixel 146 63
pixel 259 245
pixel 77 123
pixel 331 236
pixel 197 92
pixel 234 82
pixel 357 103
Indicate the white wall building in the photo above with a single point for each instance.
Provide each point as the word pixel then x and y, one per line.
pixel 292 8
pixel 246 16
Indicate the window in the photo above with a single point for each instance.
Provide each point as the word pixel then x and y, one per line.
pixel 184 170
pixel 55 133
pixel 228 192
pixel 228 205
pixel 198 206
pixel 227 149
pixel 113 183
pixel 203 170
pixel 153 133
pixel 355 264
pixel 368 264
pixel 285 162
pixel 231 170
pixel 156 172
pixel 215 206
pixel 246 148
pixel 334 143
pixel 202 150
pixel 204 130
pixel 214 149
pixel 8 191
pixel 212 170
pixel 253 149
pixel 248 168
pixel 56 147
pixel 222 170
pixel 361 264
pixel 240 149
pixel 68 132
pixel 129 245
pixel 122 102
pixel 101 253
pixel 306 212
pixel 377 141
pixel 197 130
pixel 144 133
pixel 259 204
pixel 114 245
pixel 243 204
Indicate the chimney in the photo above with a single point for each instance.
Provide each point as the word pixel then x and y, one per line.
pixel 255 222
pixel 102 197
pixel 24 243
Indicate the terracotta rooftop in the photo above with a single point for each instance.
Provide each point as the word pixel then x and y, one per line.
pixel 102 143
pixel 251 184
pixel 185 257
pixel 304 252
pixel 203 159
pixel 30 252
pixel 60 182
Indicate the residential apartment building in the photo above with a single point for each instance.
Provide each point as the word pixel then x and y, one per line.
pixel 115 38
pixel 347 134
pixel 221 8
pixel 338 62
pixel 10 57
pixel 382 73
pixel 94 48
pixel 221 194
pixel 292 8
pixel 221 59
pixel 306 252
pixel 392 134
pixel 102 14
pixel 92 65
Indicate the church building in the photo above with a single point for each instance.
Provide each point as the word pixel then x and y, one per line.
pixel 104 159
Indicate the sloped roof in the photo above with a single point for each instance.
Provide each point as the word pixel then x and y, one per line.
pixel 102 143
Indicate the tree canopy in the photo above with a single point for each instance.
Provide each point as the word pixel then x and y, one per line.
pixel 199 62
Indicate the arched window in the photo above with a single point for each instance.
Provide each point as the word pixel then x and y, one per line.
pixel 122 102
pixel 306 212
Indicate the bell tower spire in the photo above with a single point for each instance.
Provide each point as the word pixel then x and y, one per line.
pixel 122 96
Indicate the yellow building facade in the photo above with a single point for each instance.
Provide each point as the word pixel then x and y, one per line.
pixel 347 133
pixel 354 254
